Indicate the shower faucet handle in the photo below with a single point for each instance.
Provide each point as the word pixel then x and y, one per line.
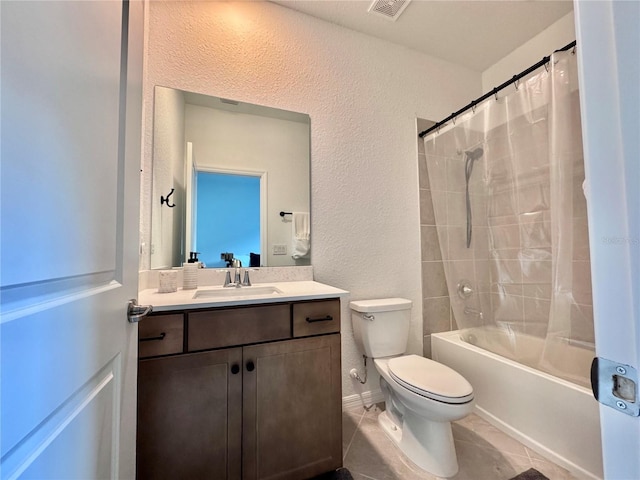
pixel 464 289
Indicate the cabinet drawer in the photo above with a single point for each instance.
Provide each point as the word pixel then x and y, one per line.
pixel 160 335
pixel 238 326
pixel 316 318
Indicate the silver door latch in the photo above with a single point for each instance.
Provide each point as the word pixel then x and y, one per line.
pixel 135 312
pixel 615 385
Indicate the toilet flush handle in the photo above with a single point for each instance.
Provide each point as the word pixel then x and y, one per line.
pixel 368 316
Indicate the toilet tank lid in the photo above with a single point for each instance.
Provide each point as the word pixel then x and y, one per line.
pixel 380 305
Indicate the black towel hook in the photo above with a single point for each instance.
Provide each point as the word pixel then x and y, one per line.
pixel 166 199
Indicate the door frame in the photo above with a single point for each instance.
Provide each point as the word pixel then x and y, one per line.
pixel 192 208
pixel 608 49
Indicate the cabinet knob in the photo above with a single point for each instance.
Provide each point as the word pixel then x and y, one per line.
pixel 235 368
pixel 250 366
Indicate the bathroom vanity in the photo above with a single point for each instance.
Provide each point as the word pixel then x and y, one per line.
pixel 240 386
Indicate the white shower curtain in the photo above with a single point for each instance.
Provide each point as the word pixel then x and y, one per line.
pixel 520 158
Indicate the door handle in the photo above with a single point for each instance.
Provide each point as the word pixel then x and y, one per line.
pixel 135 312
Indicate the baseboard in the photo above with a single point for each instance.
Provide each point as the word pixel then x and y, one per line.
pixel 363 399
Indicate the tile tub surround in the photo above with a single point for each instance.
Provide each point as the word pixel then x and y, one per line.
pixel 436 304
pixel 484 452
pixel 509 264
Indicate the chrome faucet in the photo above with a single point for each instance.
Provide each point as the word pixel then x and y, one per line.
pixel 246 282
pixel 237 283
pixel 236 279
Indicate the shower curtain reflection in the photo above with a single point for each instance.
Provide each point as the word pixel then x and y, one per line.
pixel 512 171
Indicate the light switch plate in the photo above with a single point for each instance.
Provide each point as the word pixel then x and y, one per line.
pixel 279 249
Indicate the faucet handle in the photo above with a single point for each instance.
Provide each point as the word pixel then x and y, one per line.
pixel 246 281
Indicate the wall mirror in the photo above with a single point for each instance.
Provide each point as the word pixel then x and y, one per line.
pixel 223 171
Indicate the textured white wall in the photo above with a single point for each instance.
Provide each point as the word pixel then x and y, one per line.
pixel 363 96
pixel 556 36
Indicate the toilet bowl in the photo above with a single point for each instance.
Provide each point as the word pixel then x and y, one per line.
pixel 422 397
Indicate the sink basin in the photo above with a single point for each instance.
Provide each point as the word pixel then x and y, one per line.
pixel 232 292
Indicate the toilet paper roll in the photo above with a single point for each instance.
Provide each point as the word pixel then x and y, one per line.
pixel 167 281
pixel 189 276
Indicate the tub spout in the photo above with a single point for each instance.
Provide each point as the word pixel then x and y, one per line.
pixel 473 311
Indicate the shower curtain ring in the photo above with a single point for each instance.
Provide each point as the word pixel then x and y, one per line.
pixel 453 119
pixel 516 81
pixel 573 50
pixel 546 67
pixel 473 107
pixel 495 93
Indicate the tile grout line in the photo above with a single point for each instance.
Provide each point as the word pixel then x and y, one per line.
pixel 367 476
pixel 523 460
pixel 528 455
pixel 355 432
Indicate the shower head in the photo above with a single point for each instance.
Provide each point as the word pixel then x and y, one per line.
pixel 474 154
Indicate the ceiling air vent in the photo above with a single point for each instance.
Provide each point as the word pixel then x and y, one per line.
pixel 389 9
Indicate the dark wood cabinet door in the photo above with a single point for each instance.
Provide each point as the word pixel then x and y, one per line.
pixel 190 416
pixel 292 408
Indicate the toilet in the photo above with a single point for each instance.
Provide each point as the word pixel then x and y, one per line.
pixel 422 397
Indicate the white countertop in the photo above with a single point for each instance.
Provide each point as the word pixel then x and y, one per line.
pixel 291 291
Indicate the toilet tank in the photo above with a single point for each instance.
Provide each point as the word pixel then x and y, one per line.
pixel 381 326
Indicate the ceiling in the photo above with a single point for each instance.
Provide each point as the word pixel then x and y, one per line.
pixel 472 33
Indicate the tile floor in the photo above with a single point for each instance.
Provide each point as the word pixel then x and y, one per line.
pixel 484 452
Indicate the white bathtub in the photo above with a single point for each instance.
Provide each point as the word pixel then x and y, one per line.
pixel 554 417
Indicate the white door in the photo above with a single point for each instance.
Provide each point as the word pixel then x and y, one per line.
pixel 608 35
pixel 71 117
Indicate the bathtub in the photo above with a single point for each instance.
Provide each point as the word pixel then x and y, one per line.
pixel 556 418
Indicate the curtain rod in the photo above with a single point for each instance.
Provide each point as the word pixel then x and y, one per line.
pixel 495 90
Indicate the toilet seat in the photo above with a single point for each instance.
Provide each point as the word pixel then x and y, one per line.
pixel 430 379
